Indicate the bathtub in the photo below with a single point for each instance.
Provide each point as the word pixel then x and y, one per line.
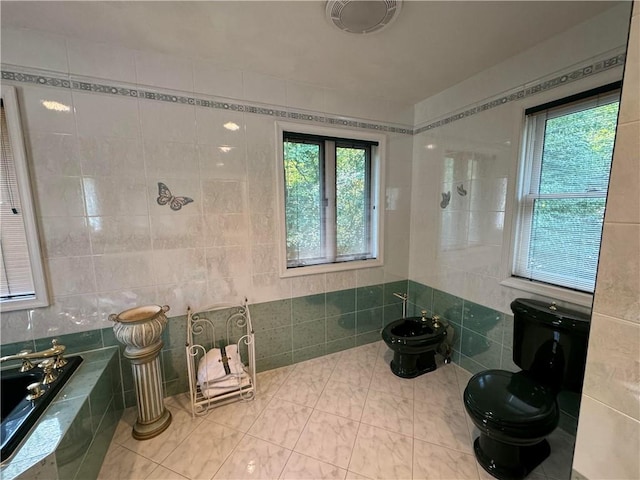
pixel 19 414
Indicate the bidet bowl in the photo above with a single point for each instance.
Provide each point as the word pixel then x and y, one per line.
pixel 414 343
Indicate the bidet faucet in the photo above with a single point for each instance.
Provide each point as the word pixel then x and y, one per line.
pixel 424 318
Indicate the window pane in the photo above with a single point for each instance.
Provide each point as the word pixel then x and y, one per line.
pixel 352 212
pixel 577 151
pixel 303 199
pixel 565 241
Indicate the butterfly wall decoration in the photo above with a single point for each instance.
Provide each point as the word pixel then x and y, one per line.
pixel 165 197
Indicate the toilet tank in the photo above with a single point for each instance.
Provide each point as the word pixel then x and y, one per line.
pixel 550 343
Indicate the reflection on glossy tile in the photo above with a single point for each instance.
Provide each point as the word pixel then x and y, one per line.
pixel 301 467
pixel 254 458
pixel 328 438
pixel 203 451
pixel 121 463
pixel 432 461
pixel 335 435
pixel 380 454
pixel 343 399
pixel 281 423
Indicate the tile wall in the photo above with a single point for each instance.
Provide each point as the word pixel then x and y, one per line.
pixel 465 167
pixel 608 438
pixel 132 119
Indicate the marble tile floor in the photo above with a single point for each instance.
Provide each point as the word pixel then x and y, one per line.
pixel 341 416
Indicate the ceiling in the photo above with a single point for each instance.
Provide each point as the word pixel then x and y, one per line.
pixel 431 46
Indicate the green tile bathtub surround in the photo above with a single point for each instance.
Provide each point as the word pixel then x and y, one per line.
pixel 369 297
pixel 75 443
pixel 275 361
pixel 420 295
pixel 339 302
pixel 340 326
pixel 308 353
pixel 308 334
pixel 414 310
pixel 367 338
pixel 268 315
pixel 75 342
pixel 482 350
pixel 394 287
pixel 92 461
pixel 369 320
pixel 340 344
pixel 447 306
pixel 273 342
pixel 108 337
pixel 391 313
pixel 483 320
pixel 305 309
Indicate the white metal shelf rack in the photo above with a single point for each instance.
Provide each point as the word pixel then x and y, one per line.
pixel 202 336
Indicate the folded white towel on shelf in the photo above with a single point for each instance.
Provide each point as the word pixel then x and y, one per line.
pixel 218 373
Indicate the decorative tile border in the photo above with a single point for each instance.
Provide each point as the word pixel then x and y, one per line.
pixel 72 84
pixel 577 74
pixel 596 67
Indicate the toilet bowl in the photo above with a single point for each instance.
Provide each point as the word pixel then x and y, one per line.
pixel 514 412
pixel 414 342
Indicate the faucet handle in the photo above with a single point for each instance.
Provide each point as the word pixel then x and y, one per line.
pixel 35 391
pixel 436 321
pixel 47 367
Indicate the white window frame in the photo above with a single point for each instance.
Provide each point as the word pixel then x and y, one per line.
pixel 523 208
pixel 377 189
pixel 16 139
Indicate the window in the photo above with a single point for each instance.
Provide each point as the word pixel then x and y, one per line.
pixel 22 283
pixel 330 187
pixel 564 177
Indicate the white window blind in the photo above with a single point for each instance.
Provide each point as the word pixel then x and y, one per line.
pixel 16 280
pixel 564 179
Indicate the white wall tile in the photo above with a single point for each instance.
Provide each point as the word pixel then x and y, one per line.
pixel 54 154
pixel 107 156
pixel 167 122
pixel 171 159
pixel 101 60
pixel 82 280
pixel 106 116
pixel 115 196
pixel 607 443
pixel 264 88
pixel 65 236
pixel 164 71
pixel 176 231
pixel 613 364
pixel 31 48
pixel 306 97
pixel 213 79
pixel 119 234
pixel 184 265
pixel 123 270
pixel 618 281
pixel 75 313
pixel 38 118
pixel 59 196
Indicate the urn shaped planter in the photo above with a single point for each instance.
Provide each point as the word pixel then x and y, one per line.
pixel 139 329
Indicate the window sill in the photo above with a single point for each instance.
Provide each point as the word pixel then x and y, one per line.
pixel 330 268
pixel 550 291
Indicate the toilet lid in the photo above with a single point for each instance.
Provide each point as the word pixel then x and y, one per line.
pixel 510 399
